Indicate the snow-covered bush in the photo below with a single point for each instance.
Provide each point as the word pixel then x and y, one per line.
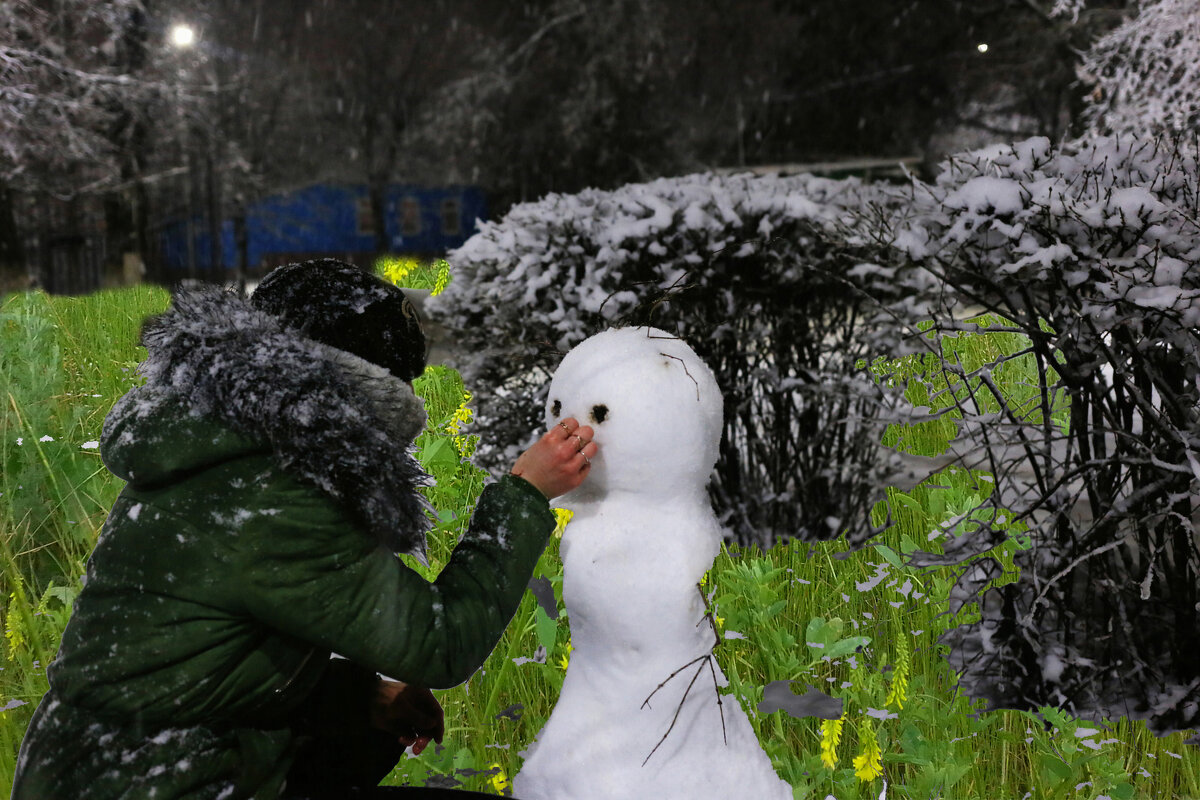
pixel 1093 251
pixel 787 286
pixel 756 274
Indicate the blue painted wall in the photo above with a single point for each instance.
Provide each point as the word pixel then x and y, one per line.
pixel 325 219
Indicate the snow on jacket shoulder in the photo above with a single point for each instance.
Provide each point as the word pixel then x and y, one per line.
pixel 236 559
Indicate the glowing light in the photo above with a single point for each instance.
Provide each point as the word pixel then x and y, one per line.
pixel 982 47
pixel 183 36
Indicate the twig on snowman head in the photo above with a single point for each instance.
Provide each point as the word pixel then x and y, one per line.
pixel 707 658
pixel 685 369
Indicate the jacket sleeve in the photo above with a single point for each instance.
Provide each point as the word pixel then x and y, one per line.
pixel 308 572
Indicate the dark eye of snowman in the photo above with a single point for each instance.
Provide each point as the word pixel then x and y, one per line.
pixel 556 408
pixel 599 414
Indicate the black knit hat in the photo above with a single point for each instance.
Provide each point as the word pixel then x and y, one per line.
pixel 342 306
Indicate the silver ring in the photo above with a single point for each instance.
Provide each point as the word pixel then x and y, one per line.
pixel 582 443
pixel 587 460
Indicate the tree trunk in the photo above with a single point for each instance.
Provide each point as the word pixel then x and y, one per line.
pixel 241 246
pixel 120 228
pixel 13 272
pixel 216 261
pixel 378 192
pixel 125 209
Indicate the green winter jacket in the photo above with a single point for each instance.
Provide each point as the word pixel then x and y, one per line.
pixel 197 658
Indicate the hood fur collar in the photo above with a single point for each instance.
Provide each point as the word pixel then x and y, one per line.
pixel 341 424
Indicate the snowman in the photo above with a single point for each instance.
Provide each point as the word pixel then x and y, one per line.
pixel 639 715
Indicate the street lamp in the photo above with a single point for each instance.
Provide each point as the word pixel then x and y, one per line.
pixel 183 36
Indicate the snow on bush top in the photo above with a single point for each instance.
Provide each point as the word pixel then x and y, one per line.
pixel 567 260
pixel 1116 218
pixel 1113 220
pixel 1104 231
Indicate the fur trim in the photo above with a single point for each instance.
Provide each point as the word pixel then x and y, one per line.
pixel 336 421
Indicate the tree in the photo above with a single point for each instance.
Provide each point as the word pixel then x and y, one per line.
pixel 237 120
pixel 62 89
pixel 866 80
pixel 596 93
pixel 1145 73
pixel 602 92
pixel 380 66
pixel 68 99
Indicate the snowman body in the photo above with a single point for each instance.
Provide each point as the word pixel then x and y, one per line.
pixel 641 537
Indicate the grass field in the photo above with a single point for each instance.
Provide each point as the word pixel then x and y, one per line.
pixel 65 361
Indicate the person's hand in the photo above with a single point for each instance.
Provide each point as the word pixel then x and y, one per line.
pixel 560 460
pixel 409 712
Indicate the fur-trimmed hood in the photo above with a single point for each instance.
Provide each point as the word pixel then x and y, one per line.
pixel 336 421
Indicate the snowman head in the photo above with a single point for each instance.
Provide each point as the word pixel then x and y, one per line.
pixel 654 406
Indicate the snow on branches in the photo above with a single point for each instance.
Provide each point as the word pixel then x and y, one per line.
pixel 61 94
pixel 1146 71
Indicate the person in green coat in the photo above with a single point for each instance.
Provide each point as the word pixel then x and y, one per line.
pixel 245 594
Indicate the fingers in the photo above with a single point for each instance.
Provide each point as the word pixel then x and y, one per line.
pixel 568 430
pixel 569 426
pixel 560 460
pixel 575 441
pixel 417 743
pixel 586 454
pixel 563 430
pixel 578 441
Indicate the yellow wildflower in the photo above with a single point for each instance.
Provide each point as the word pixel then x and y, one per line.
pixel 465 445
pixel 563 515
pixel 868 764
pixel 896 692
pixel 16 641
pixel 499 780
pixel 565 661
pixel 462 414
pixel 15 633
pixel 443 276
pixel 831 734
pixel 396 270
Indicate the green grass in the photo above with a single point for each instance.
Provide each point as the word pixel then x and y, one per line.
pixel 65 361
